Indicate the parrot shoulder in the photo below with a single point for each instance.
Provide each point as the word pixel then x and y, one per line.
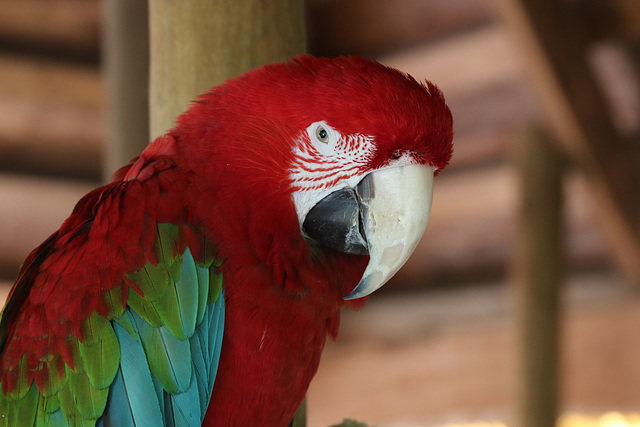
pixel 125 286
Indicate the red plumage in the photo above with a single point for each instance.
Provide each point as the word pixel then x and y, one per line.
pixel 225 169
pixel 291 297
pixel 109 233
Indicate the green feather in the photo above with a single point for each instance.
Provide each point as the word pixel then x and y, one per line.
pixel 151 280
pixel 144 308
pixel 174 269
pixel 166 243
pixel 76 357
pixel 215 284
pixel 51 404
pixel 187 294
pixel 22 385
pixel 127 324
pixel 89 401
pixel 4 408
pixel 114 300
pixel 169 311
pixel 55 380
pixel 169 358
pixel 42 416
pixel 72 402
pixel 67 404
pixel 179 307
pixel 23 411
pixel 101 360
pixel 92 329
pixel 203 291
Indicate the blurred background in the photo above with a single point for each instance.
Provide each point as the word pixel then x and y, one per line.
pixel 440 343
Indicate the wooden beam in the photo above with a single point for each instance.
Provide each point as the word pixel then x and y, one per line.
pixel 619 19
pixel 553 43
pixel 60 26
pixel 464 63
pixel 538 266
pixel 198 44
pixel 51 118
pixel 629 15
pixel 368 27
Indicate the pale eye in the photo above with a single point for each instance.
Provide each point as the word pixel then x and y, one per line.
pixel 322 135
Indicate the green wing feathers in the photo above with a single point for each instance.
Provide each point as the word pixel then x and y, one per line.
pixel 169 311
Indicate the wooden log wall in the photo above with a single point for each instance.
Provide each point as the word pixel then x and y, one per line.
pixel 52 124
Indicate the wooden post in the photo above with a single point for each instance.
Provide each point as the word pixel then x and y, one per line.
pixel 537 275
pixel 300 420
pixel 126 69
pixel 197 44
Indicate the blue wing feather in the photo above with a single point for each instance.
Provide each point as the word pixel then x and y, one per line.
pixel 217 323
pixel 186 407
pixel 200 368
pixel 132 401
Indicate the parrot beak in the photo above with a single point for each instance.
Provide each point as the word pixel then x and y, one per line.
pixel 395 217
pixel 384 217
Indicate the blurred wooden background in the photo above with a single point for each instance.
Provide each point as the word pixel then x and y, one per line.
pixel 52 121
pixel 52 134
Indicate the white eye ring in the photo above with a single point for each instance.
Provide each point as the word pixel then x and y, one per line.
pixel 322 135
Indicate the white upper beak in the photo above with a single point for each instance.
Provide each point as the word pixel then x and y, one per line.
pixel 394 220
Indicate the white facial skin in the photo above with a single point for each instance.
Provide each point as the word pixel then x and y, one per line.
pixel 394 219
pixel 325 162
pixel 324 165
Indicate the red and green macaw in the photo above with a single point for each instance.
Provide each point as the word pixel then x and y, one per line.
pixel 198 288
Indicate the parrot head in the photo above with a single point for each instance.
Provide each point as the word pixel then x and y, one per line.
pixel 346 148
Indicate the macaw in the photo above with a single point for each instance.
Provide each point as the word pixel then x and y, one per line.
pixel 200 285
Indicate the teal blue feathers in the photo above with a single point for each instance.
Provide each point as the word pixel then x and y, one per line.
pixel 181 371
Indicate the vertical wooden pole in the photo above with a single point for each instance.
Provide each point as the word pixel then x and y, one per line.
pixel 300 420
pixel 537 274
pixel 196 44
pixel 126 70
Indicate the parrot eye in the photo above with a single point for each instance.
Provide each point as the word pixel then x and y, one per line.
pixel 322 135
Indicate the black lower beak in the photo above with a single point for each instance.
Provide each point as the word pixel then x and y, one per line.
pixel 336 220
